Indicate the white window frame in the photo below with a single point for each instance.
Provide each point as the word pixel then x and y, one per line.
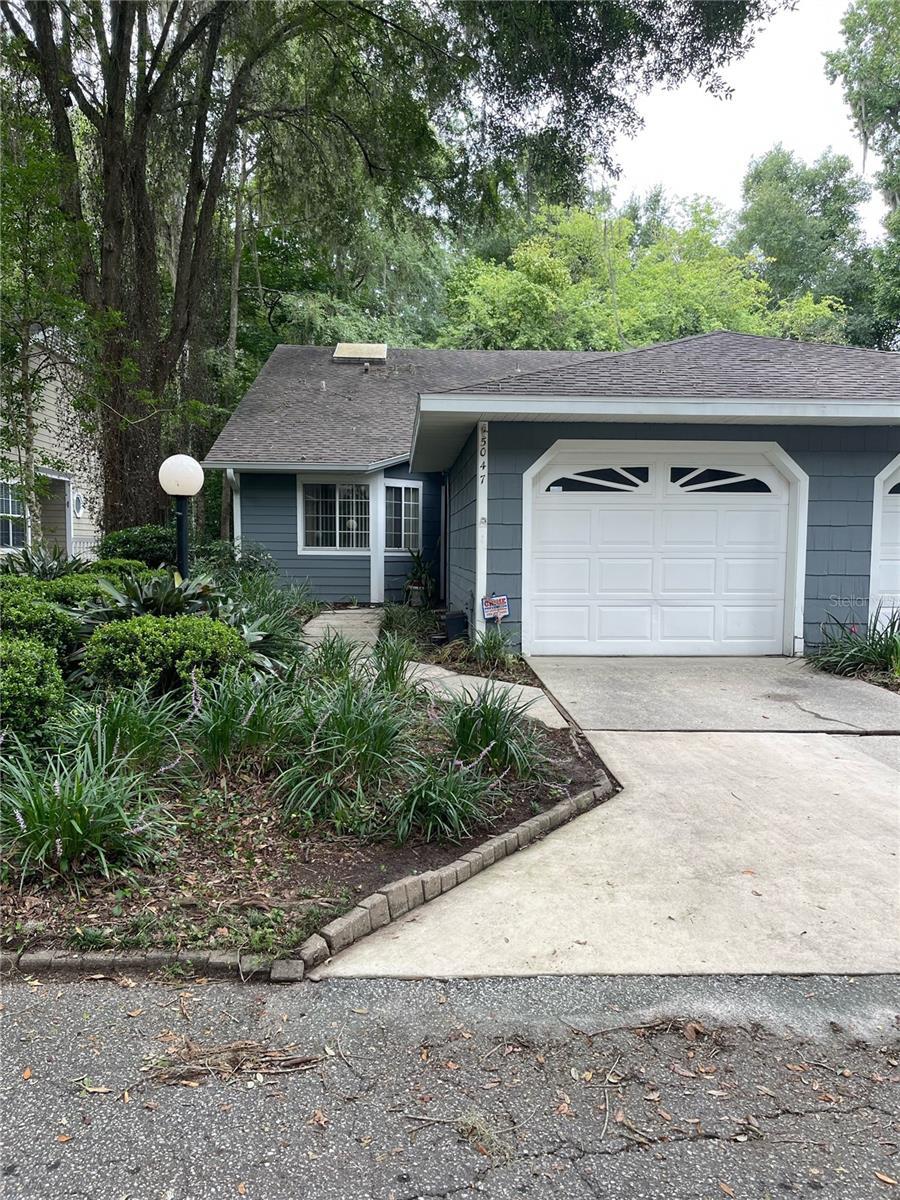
pixel 369 482
pixel 399 482
pixel 8 517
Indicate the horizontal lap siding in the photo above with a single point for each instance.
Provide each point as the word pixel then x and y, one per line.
pixel 461 531
pixel 396 567
pixel 269 518
pixel 841 462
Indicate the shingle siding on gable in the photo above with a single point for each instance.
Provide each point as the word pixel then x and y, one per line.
pixel 841 462
pixel 461 532
pixel 269 518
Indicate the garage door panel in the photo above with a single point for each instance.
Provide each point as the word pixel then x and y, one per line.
pixel 756 623
pixel 629 623
pixel 687 576
pixel 562 622
pixel 689 527
pixel 661 569
pixel 633 576
pixel 753 576
pixel 567 576
pixel 623 526
pixel 754 528
pixel 562 527
pixel 687 623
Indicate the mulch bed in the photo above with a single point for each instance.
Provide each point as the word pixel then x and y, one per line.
pixel 518 670
pixel 238 880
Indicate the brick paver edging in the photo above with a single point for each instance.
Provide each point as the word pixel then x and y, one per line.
pixel 386 905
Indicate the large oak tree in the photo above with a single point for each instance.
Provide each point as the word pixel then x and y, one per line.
pixel 147 101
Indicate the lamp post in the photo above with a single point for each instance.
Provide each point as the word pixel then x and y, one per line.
pixel 181 476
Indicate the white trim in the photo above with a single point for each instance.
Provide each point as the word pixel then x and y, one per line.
pixel 798 504
pixel 400 482
pixel 376 538
pixel 611 408
pixel 234 481
pixel 880 486
pixel 328 551
pixel 70 527
pixel 481 521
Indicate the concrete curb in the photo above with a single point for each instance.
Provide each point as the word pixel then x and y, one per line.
pixel 388 904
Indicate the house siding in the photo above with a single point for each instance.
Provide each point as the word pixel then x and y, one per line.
pixel 461 487
pixel 841 462
pixel 268 507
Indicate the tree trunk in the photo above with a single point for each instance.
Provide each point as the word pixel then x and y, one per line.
pixel 231 345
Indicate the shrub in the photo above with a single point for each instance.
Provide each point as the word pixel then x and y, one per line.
pixel 73 813
pixel 851 649
pixel 156 594
pixel 153 545
pixel 348 738
pixel 75 591
pixel 118 567
pixel 31 685
pixel 443 802
pixel 162 651
pixel 43 563
pixel 238 716
pixel 130 722
pixel 24 614
pixel 491 725
pixel 221 559
pixel 415 623
pixel 21 585
pixel 391 656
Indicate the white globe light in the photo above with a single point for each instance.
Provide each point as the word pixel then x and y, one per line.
pixel 181 475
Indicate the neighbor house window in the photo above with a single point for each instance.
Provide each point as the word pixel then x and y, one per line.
pixel 12 518
pixel 336 516
pixel 403 518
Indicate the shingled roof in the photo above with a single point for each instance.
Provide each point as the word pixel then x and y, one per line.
pixel 717 365
pixel 305 409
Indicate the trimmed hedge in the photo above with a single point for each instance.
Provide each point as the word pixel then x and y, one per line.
pixel 31 685
pixel 152 544
pixel 117 566
pixel 163 651
pixel 24 614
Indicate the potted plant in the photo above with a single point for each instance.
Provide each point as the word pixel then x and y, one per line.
pixel 419 586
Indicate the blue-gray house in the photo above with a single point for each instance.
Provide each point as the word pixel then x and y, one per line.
pixel 722 494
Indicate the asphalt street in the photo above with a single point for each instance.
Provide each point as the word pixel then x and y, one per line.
pixel 546 1087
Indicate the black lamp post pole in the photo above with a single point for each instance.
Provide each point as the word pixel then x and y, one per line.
pixel 181 534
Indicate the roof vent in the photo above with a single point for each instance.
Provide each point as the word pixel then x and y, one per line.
pixel 360 352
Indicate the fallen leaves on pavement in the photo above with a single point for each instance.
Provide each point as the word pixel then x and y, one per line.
pixel 188 1061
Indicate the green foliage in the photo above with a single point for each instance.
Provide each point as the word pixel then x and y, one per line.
pixel 164 652
pixel 421 575
pixel 26 615
pixel 42 563
pixel 31 685
pixel 239 717
pixel 157 595
pixel 349 737
pixel 74 591
pixel 221 560
pixel 583 282
pixel 68 814
pixel 491 725
pixel 442 802
pixel 850 648
pixel 131 723
pixel 153 545
pixel 333 658
pixel 417 624
pixel 112 568
pixel 390 660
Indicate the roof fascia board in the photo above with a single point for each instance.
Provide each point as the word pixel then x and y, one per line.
pixel 629 406
pixel 270 467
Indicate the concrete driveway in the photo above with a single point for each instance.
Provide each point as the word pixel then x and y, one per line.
pixel 731 849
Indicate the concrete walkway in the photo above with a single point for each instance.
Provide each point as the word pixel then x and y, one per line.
pixel 360 625
pixel 743 851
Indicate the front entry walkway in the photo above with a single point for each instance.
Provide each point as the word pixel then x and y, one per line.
pixel 741 851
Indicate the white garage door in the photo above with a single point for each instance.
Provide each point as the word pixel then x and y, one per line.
pixel 657 554
pixel 886 592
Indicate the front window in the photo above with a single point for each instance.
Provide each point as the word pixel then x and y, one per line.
pixel 12 518
pixel 336 516
pixel 403 518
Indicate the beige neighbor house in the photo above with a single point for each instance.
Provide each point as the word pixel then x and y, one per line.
pixel 70 500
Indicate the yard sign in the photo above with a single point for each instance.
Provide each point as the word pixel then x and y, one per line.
pixel 495 608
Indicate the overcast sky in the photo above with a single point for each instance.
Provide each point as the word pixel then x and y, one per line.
pixel 695 144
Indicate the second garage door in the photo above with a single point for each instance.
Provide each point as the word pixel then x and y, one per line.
pixel 657 554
